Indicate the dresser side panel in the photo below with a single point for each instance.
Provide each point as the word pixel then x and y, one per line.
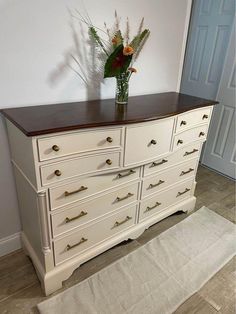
pixel 29 213
pixel 22 152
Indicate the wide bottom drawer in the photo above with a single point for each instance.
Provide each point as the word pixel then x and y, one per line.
pixel 89 186
pixel 166 178
pixel 181 155
pixel 88 237
pixel 162 200
pixel 79 214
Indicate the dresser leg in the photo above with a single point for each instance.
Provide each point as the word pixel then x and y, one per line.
pixel 190 206
pixel 188 211
pixel 52 280
pixel 51 285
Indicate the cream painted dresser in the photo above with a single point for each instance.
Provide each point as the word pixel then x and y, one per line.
pixel 90 175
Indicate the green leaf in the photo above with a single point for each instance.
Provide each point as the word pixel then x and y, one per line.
pixel 140 47
pixel 96 38
pixel 138 39
pixel 119 38
pixel 117 63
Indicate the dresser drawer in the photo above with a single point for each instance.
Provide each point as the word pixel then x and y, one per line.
pixel 192 118
pixel 189 136
pixel 68 144
pixel 184 154
pixel 169 177
pixel 162 200
pixel 148 141
pixel 85 187
pixel 87 237
pixel 85 212
pixel 60 171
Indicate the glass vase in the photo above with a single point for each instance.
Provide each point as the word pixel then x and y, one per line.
pixel 122 89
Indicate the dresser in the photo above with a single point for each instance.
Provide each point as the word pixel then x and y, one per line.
pixel 90 175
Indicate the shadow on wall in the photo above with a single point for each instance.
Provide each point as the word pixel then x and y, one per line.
pixel 83 58
pixel 9 215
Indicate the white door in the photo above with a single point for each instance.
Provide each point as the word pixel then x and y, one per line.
pixel 220 148
pixel 208 38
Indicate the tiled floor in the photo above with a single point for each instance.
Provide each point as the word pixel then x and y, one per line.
pixel 20 290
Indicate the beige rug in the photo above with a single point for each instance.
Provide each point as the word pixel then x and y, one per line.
pixel 159 276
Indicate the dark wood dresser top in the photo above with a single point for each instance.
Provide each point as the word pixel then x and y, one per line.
pixel 46 119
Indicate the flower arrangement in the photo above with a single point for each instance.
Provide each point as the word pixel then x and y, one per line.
pixel 119 52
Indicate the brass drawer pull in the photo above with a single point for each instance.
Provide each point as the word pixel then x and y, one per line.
pixel 179 142
pixel 153 142
pixel 154 164
pixel 156 184
pixel 82 188
pixel 120 175
pixel 119 199
pixel 183 123
pixel 185 172
pixel 152 207
pixel 181 193
pixel 192 152
pixel 118 223
pixel 201 134
pixel 58 173
pixel 205 116
pixel 55 148
pixel 76 217
pixel 109 139
pixel 109 162
pixel 69 247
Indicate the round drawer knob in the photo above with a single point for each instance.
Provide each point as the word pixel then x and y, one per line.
pixel 205 116
pixel 57 173
pixel 109 162
pixel 201 134
pixel 179 142
pixel 153 142
pixel 183 123
pixel 109 139
pixel 56 148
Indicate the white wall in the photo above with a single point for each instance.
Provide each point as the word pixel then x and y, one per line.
pixel 36 36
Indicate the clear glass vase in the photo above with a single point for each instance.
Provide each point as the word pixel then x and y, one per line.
pixel 122 89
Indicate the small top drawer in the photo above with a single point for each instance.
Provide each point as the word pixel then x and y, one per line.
pixel 58 171
pixel 192 118
pixel 148 141
pixel 189 136
pixel 68 144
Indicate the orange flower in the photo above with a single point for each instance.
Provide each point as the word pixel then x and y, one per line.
pixel 116 40
pixel 132 70
pixel 128 51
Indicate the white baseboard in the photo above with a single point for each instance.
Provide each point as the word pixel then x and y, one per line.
pixel 10 244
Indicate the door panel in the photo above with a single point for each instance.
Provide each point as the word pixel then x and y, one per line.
pixel 219 152
pixel 209 33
